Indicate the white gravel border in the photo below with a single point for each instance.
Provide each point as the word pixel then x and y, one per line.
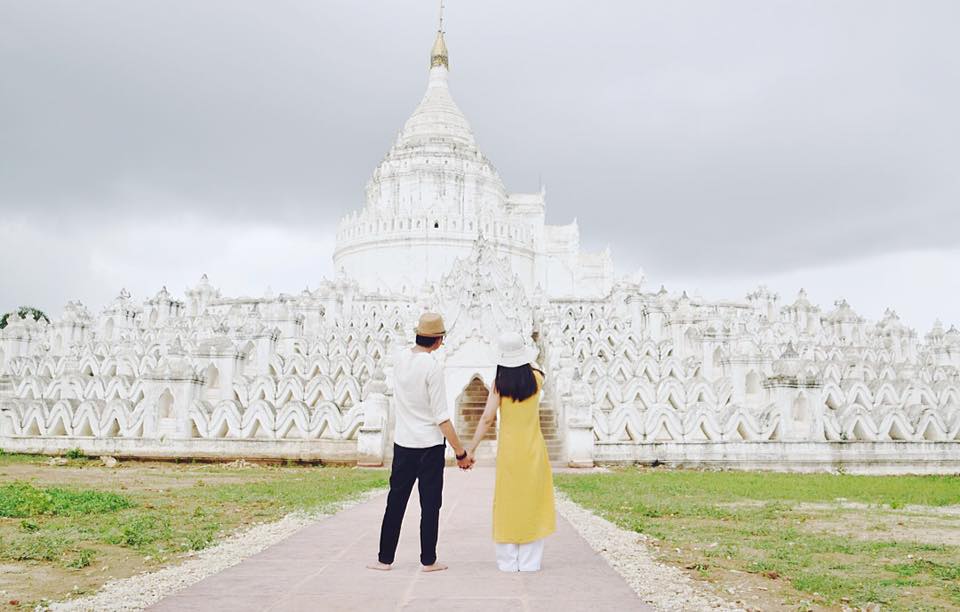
pixel 664 587
pixel 143 590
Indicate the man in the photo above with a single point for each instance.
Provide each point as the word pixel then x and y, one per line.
pixel 422 424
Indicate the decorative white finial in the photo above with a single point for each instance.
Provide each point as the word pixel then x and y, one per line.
pixel 438 56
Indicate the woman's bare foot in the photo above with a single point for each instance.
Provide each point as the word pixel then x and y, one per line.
pixel 436 567
pixel 383 567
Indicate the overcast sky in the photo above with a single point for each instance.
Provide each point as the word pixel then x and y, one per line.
pixel 717 145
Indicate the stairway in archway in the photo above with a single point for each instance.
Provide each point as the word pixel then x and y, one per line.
pixel 470 409
pixel 551 430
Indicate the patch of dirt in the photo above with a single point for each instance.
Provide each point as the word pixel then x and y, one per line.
pixel 922 524
pixel 30 582
pixel 945 511
pixel 881 526
pixel 768 592
pixel 130 476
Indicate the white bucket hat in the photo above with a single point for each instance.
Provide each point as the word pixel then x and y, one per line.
pixel 513 352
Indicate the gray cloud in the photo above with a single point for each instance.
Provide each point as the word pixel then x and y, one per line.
pixel 695 138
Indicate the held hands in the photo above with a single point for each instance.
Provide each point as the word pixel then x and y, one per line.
pixel 467 462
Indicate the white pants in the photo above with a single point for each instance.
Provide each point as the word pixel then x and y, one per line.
pixel 520 557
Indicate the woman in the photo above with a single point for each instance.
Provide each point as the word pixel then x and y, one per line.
pixel 523 511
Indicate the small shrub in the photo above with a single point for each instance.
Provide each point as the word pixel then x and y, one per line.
pixel 203 536
pixel 75 453
pixel 29 526
pixel 141 530
pixel 83 559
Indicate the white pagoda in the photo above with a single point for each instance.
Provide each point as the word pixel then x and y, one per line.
pixel 632 375
pixel 435 193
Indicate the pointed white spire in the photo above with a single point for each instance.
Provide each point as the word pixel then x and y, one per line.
pixel 438 55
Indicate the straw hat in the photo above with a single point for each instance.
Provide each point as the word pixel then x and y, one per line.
pixel 513 352
pixel 431 325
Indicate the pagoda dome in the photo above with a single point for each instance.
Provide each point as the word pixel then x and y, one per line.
pixel 437 119
pixel 435 167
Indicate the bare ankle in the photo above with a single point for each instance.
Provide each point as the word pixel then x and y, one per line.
pixel 383 567
pixel 433 567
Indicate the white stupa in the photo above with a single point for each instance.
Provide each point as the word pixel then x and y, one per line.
pixel 432 196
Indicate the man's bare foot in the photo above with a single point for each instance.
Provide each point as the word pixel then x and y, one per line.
pixel 436 567
pixel 383 567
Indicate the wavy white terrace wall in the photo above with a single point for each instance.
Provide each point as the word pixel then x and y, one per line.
pixel 635 376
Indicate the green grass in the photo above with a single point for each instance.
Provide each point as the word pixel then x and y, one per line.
pixel 68 526
pixel 15 458
pixel 21 499
pixel 896 491
pixel 725 522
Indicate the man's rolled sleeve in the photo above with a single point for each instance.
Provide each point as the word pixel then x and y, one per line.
pixel 437 390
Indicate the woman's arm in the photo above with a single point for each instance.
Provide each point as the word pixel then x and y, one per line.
pixel 487 420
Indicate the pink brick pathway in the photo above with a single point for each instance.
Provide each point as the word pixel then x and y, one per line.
pixel 322 567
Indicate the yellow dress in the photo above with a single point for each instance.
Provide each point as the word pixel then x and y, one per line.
pixel 523 510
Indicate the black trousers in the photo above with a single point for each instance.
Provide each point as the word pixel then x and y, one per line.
pixel 414 464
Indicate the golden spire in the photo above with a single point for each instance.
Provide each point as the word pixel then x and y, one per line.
pixel 438 55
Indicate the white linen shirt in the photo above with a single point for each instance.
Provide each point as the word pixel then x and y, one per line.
pixel 421 399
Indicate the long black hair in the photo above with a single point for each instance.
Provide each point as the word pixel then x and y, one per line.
pixel 517 383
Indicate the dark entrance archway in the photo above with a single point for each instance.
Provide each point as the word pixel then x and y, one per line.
pixel 470 405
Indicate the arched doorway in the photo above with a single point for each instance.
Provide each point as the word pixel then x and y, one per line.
pixel 470 406
pixel 165 408
pixel 212 386
pixel 800 409
pixel 753 388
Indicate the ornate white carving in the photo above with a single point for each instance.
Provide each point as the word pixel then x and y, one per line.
pixel 482 296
